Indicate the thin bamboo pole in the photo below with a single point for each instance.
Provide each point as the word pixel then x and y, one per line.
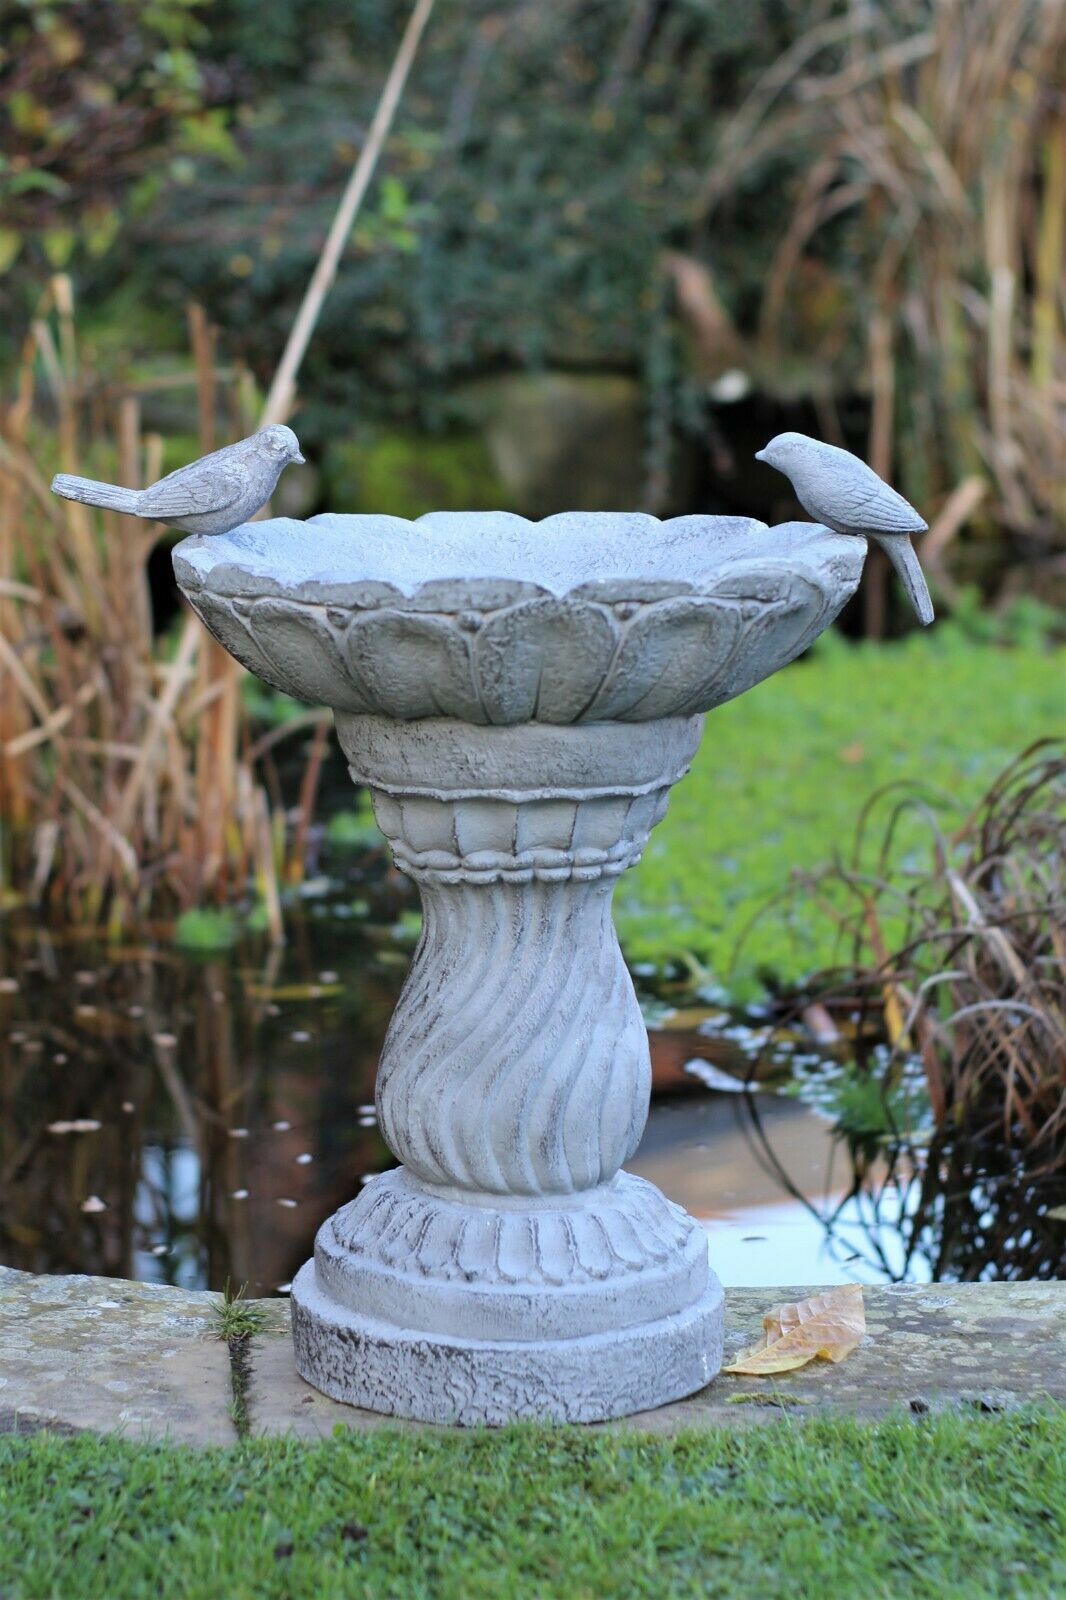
pixel 282 390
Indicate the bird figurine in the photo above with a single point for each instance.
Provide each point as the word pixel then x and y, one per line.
pixel 846 495
pixel 212 495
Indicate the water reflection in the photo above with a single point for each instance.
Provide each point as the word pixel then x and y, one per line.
pixel 193 1122
pixel 187 1122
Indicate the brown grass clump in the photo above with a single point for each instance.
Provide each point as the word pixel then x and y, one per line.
pixel 964 960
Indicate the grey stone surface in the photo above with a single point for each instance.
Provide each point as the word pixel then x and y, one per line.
pixel 987 1345
pixel 63 1341
pixel 112 1356
pixel 518 697
pixel 406 1372
pixel 513 1084
pixel 209 496
pixel 848 496
pixel 585 617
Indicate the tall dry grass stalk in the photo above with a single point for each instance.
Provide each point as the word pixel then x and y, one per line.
pixel 123 778
pixel 121 773
pixel 931 137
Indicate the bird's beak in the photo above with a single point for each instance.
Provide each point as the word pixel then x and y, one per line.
pixel 760 455
pixel 299 460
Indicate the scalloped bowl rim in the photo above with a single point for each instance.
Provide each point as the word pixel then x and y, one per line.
pixel 339 554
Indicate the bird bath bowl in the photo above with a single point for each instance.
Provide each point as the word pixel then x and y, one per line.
pixel 518 698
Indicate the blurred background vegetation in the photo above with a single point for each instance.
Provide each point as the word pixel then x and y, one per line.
pixel 845 215
pixel 609 250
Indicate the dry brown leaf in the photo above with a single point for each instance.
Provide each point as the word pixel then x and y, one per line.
pixel 828 1326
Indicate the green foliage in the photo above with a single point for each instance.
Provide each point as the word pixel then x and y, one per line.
pixel 269 707
pixel 354 828
pixel 533 177
pixel 939 1508
pixel 542 177
pixel 1024 621
pixel 783 773
pixel 869 1109
pixel 205 929
pixel 238 1318
pixel 258 919
pixel 96 100
pixel 411 474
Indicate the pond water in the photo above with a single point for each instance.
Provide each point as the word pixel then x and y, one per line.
pixel 193 1120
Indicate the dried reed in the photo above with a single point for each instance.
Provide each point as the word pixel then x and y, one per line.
pixel 121 774
pixel 964 961
pixel 123 779
pixel 931 141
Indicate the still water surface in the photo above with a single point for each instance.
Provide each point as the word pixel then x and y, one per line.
pixel 193 1121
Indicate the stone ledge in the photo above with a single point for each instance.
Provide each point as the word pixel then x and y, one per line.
pixel 110 1355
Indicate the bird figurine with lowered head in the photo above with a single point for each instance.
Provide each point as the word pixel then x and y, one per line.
pixel 846 495
pixel 212 495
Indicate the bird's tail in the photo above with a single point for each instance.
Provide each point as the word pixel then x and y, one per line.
pixel 900 552
pixel 90 493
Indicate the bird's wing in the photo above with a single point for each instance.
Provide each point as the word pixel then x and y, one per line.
pixel 863 500
pixel 214 483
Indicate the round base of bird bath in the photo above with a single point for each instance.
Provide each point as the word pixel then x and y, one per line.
pixel 509 1268
pixel 437 1376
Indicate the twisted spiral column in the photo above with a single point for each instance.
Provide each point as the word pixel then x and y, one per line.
pixel 516 1061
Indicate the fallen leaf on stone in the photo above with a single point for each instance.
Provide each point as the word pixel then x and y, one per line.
pixel 828 1325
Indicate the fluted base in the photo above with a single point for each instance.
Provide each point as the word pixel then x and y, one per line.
pixel 425 1303
pixel 433 1378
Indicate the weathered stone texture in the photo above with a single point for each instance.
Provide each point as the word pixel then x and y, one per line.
pixel 112 1356
pixel 109 1355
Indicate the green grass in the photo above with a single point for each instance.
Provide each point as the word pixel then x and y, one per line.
pixel 238 1318
pixel 238 1322
pixel 783 773
pixel 959 1505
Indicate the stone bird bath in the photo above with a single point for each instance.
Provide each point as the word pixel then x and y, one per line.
pixel 518 698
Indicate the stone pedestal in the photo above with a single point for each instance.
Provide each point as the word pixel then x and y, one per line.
pixel 508 1267
pixel 518 697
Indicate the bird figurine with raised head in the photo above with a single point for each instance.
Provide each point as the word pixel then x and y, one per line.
pixel 212 495
pixel 846 495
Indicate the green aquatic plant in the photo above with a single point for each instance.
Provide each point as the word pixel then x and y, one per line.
pixel 205 929
pixel 959 949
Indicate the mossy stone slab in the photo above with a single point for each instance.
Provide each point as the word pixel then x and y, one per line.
pixel 110 1355
pixel 986 1345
